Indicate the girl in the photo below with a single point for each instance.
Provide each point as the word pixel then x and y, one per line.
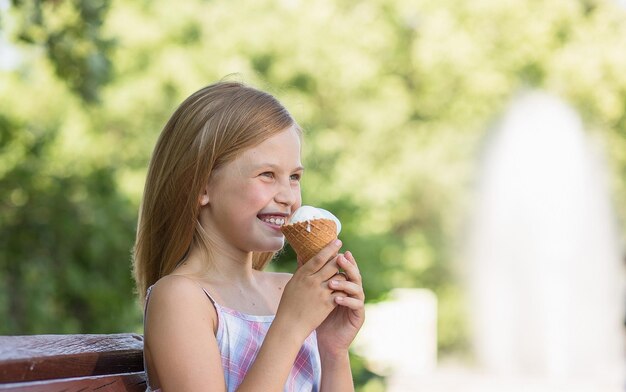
pixel 224 176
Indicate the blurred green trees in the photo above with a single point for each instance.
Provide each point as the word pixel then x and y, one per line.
pixel 70 34
pixel 396 97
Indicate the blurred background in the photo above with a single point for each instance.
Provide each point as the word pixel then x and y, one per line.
pixel 475 152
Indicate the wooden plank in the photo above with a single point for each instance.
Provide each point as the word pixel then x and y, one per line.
pixel 42 357
pixel 131 382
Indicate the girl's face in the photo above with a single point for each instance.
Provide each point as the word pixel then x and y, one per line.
pixel 249 198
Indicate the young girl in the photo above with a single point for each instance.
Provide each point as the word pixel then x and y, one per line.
pixel 224 176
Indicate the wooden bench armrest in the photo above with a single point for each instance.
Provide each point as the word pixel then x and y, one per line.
pixel 47 357
pixel 128 382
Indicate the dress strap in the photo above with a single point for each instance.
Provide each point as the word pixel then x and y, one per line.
pixel 218 310
pixel 215 304
pixel 145 305
pixel 145 302
pixel 210 297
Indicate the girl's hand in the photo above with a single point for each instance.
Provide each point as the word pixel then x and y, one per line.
pixel 339 329
pixel 307 299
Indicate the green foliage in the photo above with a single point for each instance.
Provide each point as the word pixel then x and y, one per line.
pixel 395 96
pixel 69 32
pixel 65 242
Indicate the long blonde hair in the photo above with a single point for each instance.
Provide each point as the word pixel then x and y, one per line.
pixel 210 128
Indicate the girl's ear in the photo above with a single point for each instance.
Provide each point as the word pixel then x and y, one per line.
pixel 204 197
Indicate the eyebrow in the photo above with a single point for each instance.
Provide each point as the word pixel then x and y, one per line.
pixel 272 165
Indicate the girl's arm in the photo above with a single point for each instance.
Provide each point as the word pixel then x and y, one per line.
pixel 180 341
pixel 337 332
pixel 336 372
pixel 180 331
pixel 305 303
pixel 182 348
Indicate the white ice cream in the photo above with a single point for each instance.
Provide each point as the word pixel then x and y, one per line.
pixel 308 213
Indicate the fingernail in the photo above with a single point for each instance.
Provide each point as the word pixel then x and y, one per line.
pixel 339 299
pixel 334 282
pixel 338 242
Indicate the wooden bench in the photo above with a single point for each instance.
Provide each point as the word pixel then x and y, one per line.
pixel 72 363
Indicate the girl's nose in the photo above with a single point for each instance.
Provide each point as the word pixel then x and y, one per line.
pixel 287 194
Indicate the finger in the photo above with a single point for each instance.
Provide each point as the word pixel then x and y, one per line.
pixel 338 277
pixel 351 289
pixel 350 257
pixel 350 268
pixel 330 269
pixel 319 260
pixel 341 276
pixel 352 303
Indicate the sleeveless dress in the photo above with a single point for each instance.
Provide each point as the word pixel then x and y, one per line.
pixel 239 338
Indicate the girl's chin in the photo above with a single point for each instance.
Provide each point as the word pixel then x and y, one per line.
pixel 271 246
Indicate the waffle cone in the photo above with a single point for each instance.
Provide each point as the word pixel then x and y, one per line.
pixel 309 237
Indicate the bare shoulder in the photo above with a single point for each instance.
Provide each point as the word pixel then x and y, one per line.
pixel 172 288
pixel 180 347
pixel 176 297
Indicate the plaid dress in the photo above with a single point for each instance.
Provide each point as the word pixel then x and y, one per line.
pixel 239 338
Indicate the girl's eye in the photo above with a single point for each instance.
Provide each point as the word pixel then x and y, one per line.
pixel 267 174
pixel 296 177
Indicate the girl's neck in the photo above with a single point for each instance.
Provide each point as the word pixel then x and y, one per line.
pixel 232 267
pixel 232 282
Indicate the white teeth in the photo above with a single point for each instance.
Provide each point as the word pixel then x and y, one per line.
pixel 275 221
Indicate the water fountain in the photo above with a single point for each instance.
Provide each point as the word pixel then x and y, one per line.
pixel 544 264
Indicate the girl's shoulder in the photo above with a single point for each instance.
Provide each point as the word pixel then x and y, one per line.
pixel 177 295
pixel 173 284
pixel 179 332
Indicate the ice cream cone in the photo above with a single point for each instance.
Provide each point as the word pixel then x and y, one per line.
pixel 307 238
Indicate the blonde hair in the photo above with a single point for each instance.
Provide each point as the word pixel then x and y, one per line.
pixel 210 128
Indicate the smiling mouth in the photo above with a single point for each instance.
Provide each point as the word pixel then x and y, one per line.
pixel 273 220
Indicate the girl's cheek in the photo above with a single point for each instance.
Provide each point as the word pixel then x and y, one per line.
pixel 298 202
